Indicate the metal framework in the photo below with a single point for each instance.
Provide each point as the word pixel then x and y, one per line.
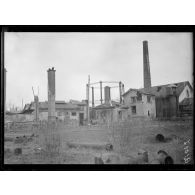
pixel 91 85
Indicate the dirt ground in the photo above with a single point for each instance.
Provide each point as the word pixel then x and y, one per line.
pixel 62 144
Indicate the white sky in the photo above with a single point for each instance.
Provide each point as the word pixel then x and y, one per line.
pixel 103 56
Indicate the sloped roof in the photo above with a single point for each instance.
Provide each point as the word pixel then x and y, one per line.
pixel 138 90
pixel 69 106
pixel 13 113
pixel 59 105
pixel 161 90
pixel 78 102
pixel 44 106
pixel 60 102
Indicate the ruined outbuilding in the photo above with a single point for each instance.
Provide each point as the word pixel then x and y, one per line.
pixel 64 111
pixel 109 111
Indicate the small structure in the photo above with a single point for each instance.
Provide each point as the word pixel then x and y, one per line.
pixel 109 111
pixel 107 105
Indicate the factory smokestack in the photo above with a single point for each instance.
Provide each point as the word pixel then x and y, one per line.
pixel 146 65
pixel 107 97
pixel 51 94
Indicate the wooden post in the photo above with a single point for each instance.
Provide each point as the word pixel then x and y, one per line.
pixel 88 112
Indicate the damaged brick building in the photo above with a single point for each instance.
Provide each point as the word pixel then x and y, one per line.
pixel 162 100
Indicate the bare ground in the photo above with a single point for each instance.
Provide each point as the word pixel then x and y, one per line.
pixel 46 145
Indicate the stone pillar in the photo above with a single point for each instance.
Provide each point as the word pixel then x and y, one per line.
pixel 87 97
pixel 107 95
pixel 146 65
pixel 36 113
pixel 51 95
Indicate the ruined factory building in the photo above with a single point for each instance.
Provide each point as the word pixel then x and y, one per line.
pixel 168 97
pixel 139 103
pixel 73 110
pixel 109 112
pixel 158 101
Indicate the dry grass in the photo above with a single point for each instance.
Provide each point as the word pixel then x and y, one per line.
pixel 127 138
pixel 130 136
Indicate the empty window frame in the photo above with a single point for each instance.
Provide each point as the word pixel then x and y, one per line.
pixel 133 109
pixel 139 96
pixel 133 99
pixel 73 113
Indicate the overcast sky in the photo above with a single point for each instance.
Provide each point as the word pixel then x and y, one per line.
pixel 103 56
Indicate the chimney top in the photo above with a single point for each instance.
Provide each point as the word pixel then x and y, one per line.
pixel 51 69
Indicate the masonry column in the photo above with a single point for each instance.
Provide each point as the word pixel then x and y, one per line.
pixel 107 96
pixel 36 100
pixel 51 94
pixel 146 65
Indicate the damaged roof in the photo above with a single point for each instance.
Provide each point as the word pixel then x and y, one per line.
pixel 29 108
pixel 138 90
pixel 161 90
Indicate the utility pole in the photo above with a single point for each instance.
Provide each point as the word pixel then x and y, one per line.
pixel 92 96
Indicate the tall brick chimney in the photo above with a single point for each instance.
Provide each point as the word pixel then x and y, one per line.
pixel 146 65
pixel 51 94
pixel 107 97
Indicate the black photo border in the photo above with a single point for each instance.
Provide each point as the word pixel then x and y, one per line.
pixel 87 28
